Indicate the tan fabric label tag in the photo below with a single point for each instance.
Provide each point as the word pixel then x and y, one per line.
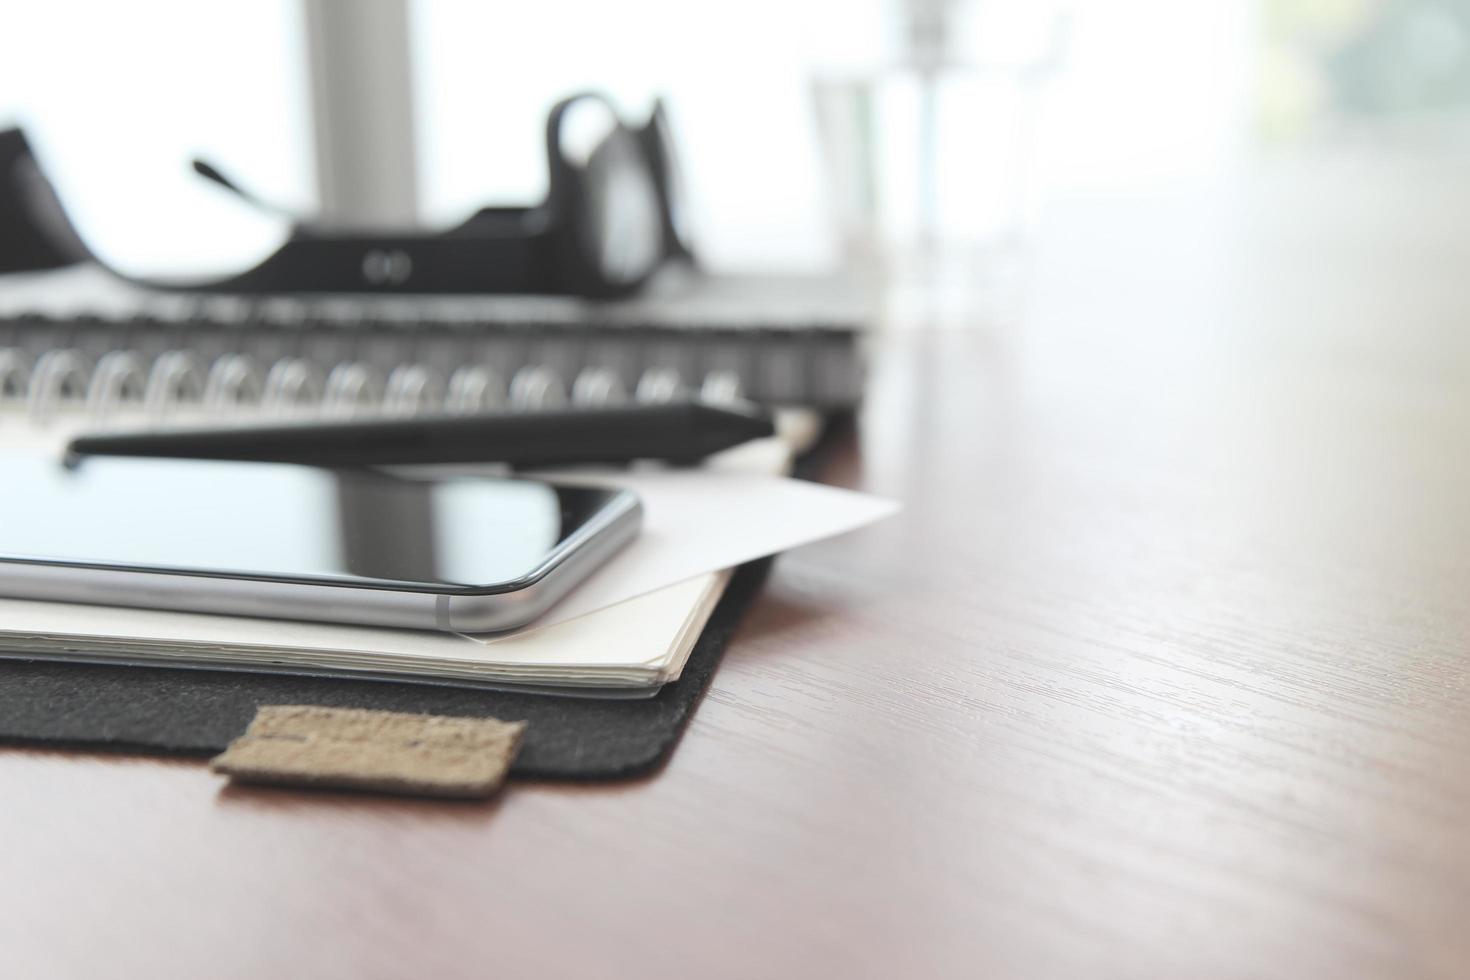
pixel 386 751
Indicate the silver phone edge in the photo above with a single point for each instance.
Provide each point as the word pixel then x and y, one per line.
pixel 592 545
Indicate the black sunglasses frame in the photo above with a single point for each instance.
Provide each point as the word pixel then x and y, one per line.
pixel 543 249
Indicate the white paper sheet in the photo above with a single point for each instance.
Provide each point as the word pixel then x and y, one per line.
pixel 698 521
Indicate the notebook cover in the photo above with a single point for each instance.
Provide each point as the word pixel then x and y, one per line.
pixel 163 711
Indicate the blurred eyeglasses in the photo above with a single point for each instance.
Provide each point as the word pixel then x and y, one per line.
pixel 613 214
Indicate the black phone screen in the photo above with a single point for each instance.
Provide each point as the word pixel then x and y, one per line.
pixel 287 522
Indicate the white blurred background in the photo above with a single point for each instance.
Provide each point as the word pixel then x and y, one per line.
pixel 1036 103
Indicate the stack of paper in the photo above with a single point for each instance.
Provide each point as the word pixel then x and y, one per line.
pixel 629 627
pixel 637 644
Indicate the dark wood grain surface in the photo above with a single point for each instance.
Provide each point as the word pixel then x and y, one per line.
pixel 1161 673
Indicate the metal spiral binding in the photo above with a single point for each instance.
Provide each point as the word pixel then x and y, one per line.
pixel 58 375
pixel 176 380
pixel 597 387
pixel 14 376
pixel 234 381
pixel 474 388
pixel 659 385
pixel 118 378
pixel 413 389
pixel 233 384
pixel 352 389
pixel 536 387
pixel 291 384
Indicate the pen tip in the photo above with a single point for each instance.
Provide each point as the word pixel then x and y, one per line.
pixel 751 420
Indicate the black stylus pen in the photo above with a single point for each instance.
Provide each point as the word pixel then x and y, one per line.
pixel 680 432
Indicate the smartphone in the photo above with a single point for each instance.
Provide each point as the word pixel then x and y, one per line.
pixel 462 553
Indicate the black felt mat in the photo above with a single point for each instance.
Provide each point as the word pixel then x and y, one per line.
pixel 192 712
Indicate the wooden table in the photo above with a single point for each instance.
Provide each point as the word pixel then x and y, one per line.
pixel 1162 673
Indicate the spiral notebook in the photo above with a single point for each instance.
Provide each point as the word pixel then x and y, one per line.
pixel 80 350
pixel 79 338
